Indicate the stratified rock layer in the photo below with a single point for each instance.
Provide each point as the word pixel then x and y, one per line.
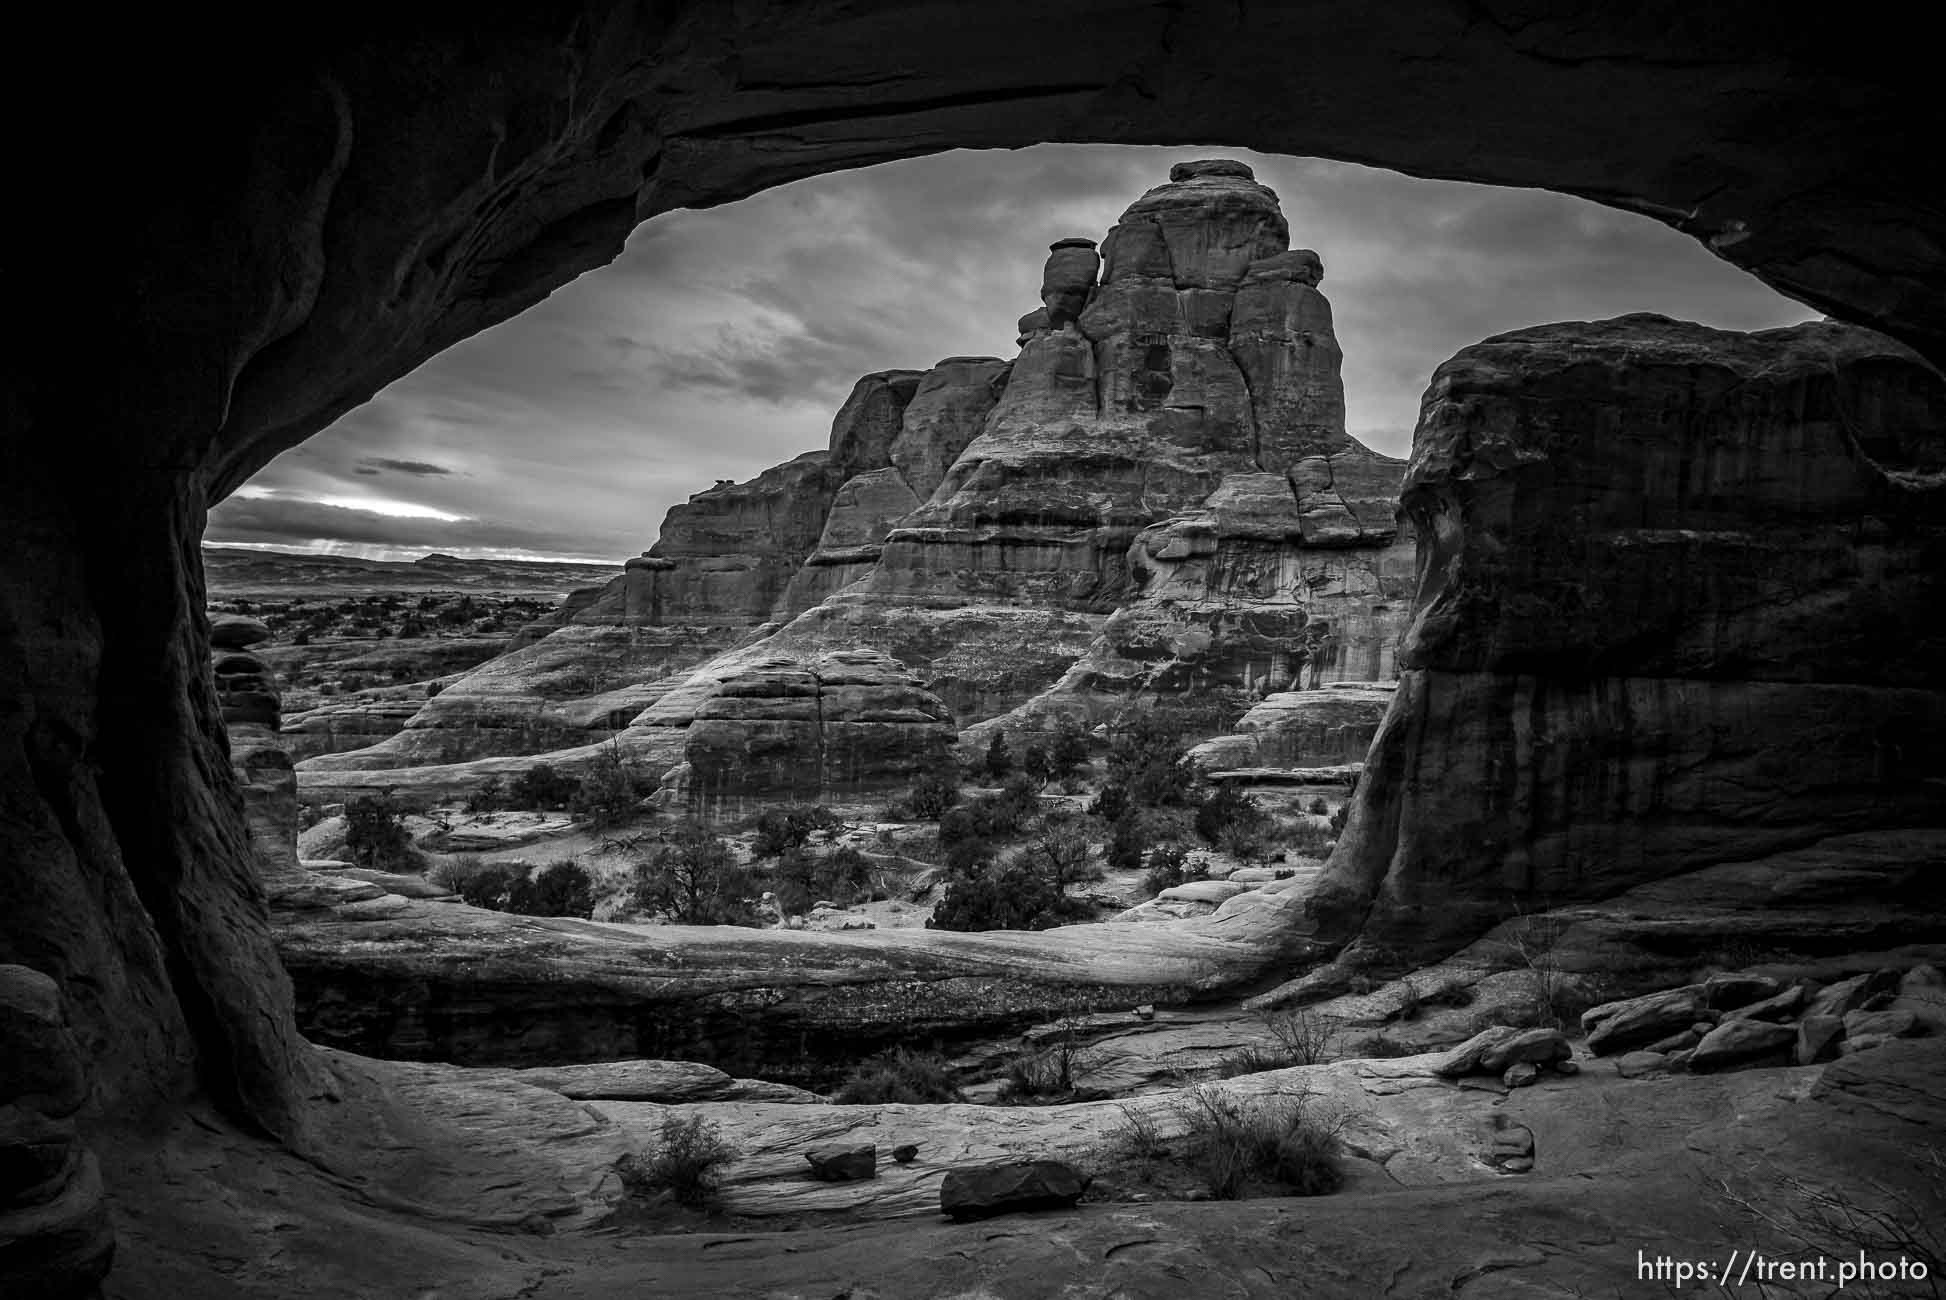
pixel 838 724
pixel 1156 498
pixel 1680 603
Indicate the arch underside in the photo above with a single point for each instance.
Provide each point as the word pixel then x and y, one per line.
pixel 298 226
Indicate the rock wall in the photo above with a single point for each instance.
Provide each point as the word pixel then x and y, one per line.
pixel 809 730
pixel 246 691
pixel 1331 726
pixel 1680 603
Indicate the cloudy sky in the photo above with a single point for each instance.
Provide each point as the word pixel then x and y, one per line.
pixel 722 341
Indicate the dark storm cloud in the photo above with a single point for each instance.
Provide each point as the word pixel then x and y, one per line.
pixel 417 468
pixel 722 341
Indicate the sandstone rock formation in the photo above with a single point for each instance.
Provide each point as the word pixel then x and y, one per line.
pixel 290 266
pixel 808 731
pixel 246 691
pixel 1332 725
pixel 55 1236
pixel 1679 605
pixel 1156 497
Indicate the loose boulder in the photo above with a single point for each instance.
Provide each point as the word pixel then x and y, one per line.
pixel 844 1164
pixel 1009 1188
pixel 1637 1022
pixel 1742 1042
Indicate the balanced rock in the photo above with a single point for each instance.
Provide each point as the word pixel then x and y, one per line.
pixel 1009 1188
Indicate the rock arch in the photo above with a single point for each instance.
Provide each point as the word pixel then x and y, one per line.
pixel 298 224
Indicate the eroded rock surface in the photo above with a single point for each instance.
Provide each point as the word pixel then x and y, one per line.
pixel 1157 497
pixel 1679 605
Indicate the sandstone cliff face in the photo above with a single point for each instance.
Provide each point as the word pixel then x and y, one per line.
pixel 808 730
pixel 1680 603
pixel 1157 497
pixel 1331 726
pixel 246 691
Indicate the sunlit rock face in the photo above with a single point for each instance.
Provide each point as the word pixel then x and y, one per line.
pixel 1680 603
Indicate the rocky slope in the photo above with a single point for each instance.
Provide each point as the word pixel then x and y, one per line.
pixel 1156 497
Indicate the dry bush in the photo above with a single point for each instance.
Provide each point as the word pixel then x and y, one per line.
pixel 1285 1143
pixel 684 1165
pixel 1300 1036
pixel 900 1075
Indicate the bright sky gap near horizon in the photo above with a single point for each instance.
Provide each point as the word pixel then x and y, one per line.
pixel 723 341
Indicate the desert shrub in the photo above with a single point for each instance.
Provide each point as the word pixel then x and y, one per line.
pixel 1005 896
pixel 1036 764
pixel 488 796
pixel 1110 802
pixel 562 888
pixel 1067 749
pixel 374 833
pixel 1303 837
pixel 609 794
pixel 1239 1144
pixel 779 830
pixel 1061 853
pixel 1319 808
pixel 932 794
pixel 483 884
pixel 1251 842
pixel 899 1075
pixel 693 879
pixel 1150 762
pixel 842 876
pixel 1535 941
pixel 999 760
pixel 685 1165
pixel 991 816
pixel 1048 1071
pixel 541 788
pixel 1138 1136
pixel 967 856
pixel 1298 1035
pixel 1230 811
pixel 1126 838
pixel 1168 867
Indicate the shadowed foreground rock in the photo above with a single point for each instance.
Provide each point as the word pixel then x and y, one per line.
pixel 1011 1188
pixel 1679 604
pixel 56 1240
